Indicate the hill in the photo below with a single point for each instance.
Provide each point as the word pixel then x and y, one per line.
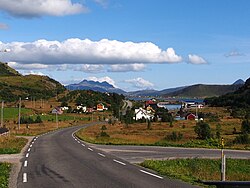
pixel 238 101
pixel 153 93
pixel 95 86
pixel 5 70
pixel 202 91
pixel 239 82
pixel 13 85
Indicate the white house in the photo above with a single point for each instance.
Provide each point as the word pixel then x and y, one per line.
pixel 82 108
pixel 141 113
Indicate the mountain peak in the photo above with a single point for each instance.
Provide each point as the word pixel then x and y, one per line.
pixel 239 82
pixel 95 86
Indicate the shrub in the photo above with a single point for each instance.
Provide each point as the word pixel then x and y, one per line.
pixel 202 130
pixel 242 139
pixel 104 134
pixel 174 136
pixel 38 119
pixel 245 126
pixel 103 128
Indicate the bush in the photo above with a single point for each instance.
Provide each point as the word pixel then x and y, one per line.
pixel 202 130
pixel 104 128
pixel 242 139
pixel 245 126
pixel 174 136
pixel 104 134
pixel 38 119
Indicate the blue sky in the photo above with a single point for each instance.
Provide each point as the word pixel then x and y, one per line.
pixel 132 44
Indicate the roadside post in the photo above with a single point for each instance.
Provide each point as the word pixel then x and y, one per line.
pixel 223 161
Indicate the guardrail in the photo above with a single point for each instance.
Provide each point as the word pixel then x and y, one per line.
pixel 4 131
pixel 228 184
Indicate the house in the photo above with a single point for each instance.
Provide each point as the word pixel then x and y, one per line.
pixel 192 104
pixel 89 110
pixel 81 108
pixel 152 103
pixel 190 116
pixel 141 113
pixel 57 110
pixel 101 107
pixel 64 108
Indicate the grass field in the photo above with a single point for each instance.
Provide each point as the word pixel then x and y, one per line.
pixel 12 113
pixel 138 134
pixel 11 144
pixel 4 174
pixel 193 170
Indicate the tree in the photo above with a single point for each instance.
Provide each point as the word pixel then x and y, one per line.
pixel 148 124
pixel 38 119
pixel 245 126
pixel 202 130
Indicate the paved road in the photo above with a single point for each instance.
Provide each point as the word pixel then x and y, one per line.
pixel 137 154
pixel 58 159
pixel 126 104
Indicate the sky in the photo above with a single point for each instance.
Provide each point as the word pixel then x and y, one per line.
pixel 132 44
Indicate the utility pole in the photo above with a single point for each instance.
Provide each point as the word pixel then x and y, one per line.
pixel 56 120
pixel 2 114
pixel 19 113
pixel 223 161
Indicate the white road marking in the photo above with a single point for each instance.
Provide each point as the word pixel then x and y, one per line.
pixel 151 174
pixel 119 162
pixel 90 149
pixel 31 146
pixel 27 155
pixel 25 178
pixel 78 142
pixel 25 163
pixel 29 150
pixel 101 154
pixel 83 145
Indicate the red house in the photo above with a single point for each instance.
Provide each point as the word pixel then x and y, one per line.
pixel 190 116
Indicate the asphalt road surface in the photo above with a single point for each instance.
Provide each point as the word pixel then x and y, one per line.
pixel 137 154
pixel 58 159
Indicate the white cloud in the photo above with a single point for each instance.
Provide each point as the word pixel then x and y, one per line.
pixel 127 67
pixel 234 53
pixel 140 83
pixel 34 73
pixel 38 8
pixel 77 51
pixel 103 79
pixel 103 3
pixel 195 59
pixel 90 68
pixel 19 66
pixel 3 26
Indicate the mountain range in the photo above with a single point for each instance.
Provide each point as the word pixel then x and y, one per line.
pixel 14 85
pixel 198 90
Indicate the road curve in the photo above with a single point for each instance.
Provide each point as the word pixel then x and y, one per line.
pixel 58 159
pixel 137 154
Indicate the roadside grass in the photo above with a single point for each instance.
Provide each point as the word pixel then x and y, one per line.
pixel 194 170
pixel 4 174
pixel 11 144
